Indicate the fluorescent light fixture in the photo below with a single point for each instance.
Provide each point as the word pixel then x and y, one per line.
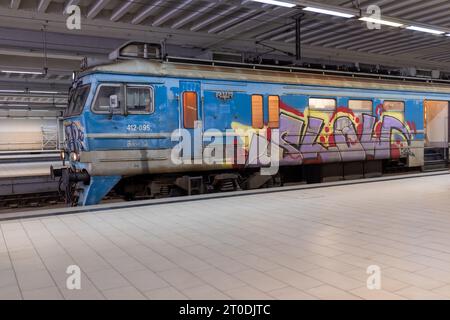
pixel 44 92
pixel 379 21
pixel 277 3
pixel 22 72
pixel 427 30
pixel 329 12
pixel 12 91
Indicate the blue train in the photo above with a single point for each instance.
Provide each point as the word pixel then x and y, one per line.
pixel 124 118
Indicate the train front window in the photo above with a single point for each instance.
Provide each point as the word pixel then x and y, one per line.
pixel 105 94
pixel 77 100
pixel 139 99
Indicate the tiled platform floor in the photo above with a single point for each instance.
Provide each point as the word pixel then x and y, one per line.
pixel 308 244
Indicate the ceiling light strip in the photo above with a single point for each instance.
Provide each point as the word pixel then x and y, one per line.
pixel 427 30
pixel 277 3
pixel 22 72
pixel 329 12
pixel 381 21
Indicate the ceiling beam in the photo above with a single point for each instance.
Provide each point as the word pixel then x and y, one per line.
pixel 95 9
pixel 229 22
pixel 169 14
pixel 239 24
pixel 275 32
pixel 213 18
pixel 43 5
pixel 122 10
pixel 144 14
pixel 183 21
pixel 14 4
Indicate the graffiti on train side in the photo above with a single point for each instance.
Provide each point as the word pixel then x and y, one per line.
pixel 343 135
pixel 74 136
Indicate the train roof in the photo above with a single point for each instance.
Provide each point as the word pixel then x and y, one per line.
pixel 286 75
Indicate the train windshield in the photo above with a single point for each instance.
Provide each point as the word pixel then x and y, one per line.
pixel 77 100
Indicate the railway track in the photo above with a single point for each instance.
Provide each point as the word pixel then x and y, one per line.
pixel 33 200
pixel 25 181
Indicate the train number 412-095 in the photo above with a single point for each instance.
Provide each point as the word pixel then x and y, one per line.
pixel 138 127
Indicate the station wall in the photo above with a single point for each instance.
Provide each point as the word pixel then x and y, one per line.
pixel 28 134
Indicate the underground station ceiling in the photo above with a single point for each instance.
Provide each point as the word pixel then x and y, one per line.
pixel 411 34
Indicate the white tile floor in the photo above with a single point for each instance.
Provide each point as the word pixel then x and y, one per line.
pixel 307 244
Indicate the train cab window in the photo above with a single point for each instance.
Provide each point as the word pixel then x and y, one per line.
pixel 105 93
pixel 361 106
pixel 274 111
pixel 320 104
pixel 139 100
pixel 190 109
pixel 257 112
pixel 394 109
pixel 77 101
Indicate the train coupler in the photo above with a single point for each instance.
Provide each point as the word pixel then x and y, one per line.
pixel 68 181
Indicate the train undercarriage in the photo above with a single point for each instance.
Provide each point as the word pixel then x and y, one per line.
pixel 155 186
pixel 191 183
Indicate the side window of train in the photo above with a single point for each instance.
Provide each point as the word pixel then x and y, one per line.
pixel 321 104
pixel 360 107
pixel 395 109
pixel 190 107
pixel 140 100
pixel 257 112
pixel 274 111
pixel 105 94
pixel 322 108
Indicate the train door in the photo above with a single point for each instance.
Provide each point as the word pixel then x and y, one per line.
pixel 436 131
pixel 191 117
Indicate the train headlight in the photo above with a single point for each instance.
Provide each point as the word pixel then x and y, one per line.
pixel 74 156
pixel 62 155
